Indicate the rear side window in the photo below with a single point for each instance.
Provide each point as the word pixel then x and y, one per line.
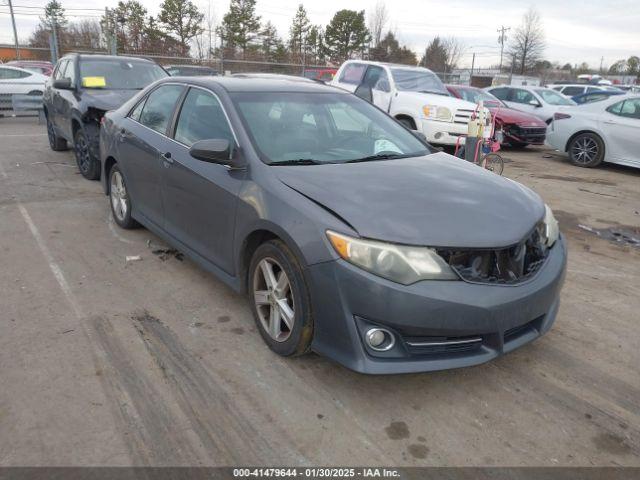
pixel 201 118
pixel 10 74
pixel 626 108
pixel 157 111
pixel 135 113
pixel 352 73
pixel 571 91
pixel 501 93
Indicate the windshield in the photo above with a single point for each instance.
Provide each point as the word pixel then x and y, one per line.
pixel 307 128
pixel 474 96
pixel 112 74
pixel 418 80
pixel 554 98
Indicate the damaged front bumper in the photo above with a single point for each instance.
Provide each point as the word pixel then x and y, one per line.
pixel 436 325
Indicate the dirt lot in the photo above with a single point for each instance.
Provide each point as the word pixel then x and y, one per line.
pixel 155 362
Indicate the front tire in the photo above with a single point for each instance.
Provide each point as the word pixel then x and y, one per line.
pixel 56 143
pixel 280 299
pixel 119 199
pixel 88 165
pixel 586 150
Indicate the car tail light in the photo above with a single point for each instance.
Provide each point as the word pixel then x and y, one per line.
pixel 561 116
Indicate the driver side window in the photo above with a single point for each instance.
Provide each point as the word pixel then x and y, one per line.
pixel 523 96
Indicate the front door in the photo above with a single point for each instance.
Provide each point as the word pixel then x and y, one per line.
pixel 199 197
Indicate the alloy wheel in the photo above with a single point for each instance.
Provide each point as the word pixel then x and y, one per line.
pixel 118 194
pixel 273 299
pixel 82 153
pixel 584 150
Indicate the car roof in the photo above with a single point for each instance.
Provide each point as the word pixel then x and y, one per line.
pixel 109 57
pixel 13 67
pixel 390 65
pixel 254 83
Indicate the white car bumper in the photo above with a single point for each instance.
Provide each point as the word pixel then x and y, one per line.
pixel 444 133
pixel 555 139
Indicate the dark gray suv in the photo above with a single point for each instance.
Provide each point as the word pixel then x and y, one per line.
pixel 351 236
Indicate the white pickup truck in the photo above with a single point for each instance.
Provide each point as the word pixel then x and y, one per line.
pixel 415 96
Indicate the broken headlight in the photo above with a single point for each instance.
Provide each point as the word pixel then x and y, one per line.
pixel 551 228
pixel 398 263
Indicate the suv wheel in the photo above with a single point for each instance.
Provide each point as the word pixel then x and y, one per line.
pixel 586 150
pixel 280 299
pixel 56 143
pixel 88 165
pixel 120 200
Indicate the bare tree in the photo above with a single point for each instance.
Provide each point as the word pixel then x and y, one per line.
pixel 378 19
pixel 528 42
pixel 454 49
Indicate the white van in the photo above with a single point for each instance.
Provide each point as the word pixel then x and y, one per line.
pixel 415 96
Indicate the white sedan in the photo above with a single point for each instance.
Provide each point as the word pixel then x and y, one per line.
pixel 607 131
pixel 14 80
pixel 539 101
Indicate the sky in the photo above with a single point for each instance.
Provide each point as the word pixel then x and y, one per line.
pixel 576 31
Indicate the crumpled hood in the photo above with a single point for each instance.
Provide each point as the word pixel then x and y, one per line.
pixel 509 115
pixel 437 200
pixel 106 99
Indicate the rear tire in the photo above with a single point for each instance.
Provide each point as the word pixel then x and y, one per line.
pixel 119 199
pixel 288 331
pixel 56 143
pixel 586 150
pixel 88 165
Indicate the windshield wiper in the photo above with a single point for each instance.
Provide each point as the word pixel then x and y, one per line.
pixel 380 156
pixel 300 161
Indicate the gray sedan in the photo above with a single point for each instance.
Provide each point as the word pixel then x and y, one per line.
pixel 351 236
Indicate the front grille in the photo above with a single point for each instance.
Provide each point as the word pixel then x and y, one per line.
pixel 528 134
pixel 463 116
pixel 442 345
pixel 506 266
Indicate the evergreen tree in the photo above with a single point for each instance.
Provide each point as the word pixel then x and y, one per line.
pixel 298 34
pixel 435 57
pixel 389 50
pixel 240 25
pixel 346 35
pixel 182 19
pixel 53 15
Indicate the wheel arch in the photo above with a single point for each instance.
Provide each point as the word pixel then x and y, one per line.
pixel 583 131
pixel 109 162
pixel 253 239
pixel 406 116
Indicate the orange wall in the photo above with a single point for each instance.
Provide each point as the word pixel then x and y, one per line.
pixel 9 53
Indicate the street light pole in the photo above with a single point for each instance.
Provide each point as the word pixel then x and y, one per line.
pixel 502 31
pixel 15 32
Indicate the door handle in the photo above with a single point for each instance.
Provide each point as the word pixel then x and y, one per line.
pixel 610 122
pixel 166 157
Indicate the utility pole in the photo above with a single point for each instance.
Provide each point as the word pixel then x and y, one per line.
pixel 54 37
pixel 473 64
pixel 601 62
pixel 501 39
pixel 15 32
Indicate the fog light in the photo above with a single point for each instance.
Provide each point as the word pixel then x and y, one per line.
pixel 380 339
pixel 438 135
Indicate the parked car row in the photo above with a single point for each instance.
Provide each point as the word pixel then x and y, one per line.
pixel 351 235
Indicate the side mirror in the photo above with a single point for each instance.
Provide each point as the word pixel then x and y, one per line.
pixel 217 150
pixel 364 91
pixel 62 84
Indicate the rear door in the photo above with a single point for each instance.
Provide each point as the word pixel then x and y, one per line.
pixel 621 124
pixel 199 197
pixel 142 142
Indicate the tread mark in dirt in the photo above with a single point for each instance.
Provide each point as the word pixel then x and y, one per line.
pixel 210 409
pixel 149 428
